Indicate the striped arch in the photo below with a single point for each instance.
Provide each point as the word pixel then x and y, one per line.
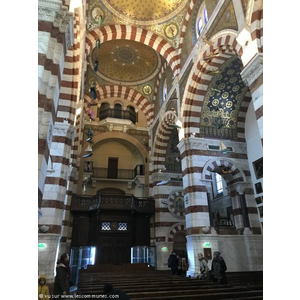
pixel 123 92
pixel 178 227
pixel 237 175
pixel 144 36
pixel 184 26
pixel 224 46
pixel 256 24
pixel 161 140
pixel 239 185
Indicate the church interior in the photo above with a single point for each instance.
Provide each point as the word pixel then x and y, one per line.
pixel 150 134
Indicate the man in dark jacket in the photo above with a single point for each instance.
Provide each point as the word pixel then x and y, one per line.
pixel 62 278
pixel 218 268
pixel 173 262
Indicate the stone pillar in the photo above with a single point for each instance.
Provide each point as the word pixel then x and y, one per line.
pixel 252 75
pixel 195 196
pixel 54 206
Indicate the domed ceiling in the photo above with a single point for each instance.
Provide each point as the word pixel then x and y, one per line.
pixel 145 12
pixel 126 62
pixel 222 101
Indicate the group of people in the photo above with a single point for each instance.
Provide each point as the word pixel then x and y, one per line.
pixel 62 282
pixel 177 263
pixel 62 279
pixel 216 274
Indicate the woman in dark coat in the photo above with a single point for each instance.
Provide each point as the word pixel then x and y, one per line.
pixel 63 274
pixel 218 268
pixel 173 263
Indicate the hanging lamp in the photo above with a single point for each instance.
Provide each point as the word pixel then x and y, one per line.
pixel 96 65
pixel 98 43
pixel 91 115
pixel 93 92
pixel 100 21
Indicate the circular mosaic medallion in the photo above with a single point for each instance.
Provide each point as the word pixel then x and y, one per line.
pixel 176 205
pixel 171 31
pixel 114 226
pixel 97 12
pixel 147 89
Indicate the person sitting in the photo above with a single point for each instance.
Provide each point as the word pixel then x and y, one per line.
pixel 43 288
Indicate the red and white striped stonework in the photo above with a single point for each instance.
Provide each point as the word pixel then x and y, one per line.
pixel 256 26
pixel 50 68
pixel 123 92
pixel 225 46
pixel 144 36
pixel 67 109
pixel 176 228
pixel 158 81
pixel 161 140
pixel 184 26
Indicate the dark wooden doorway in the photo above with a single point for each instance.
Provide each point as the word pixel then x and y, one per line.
pixel 114 249
pixel 112 171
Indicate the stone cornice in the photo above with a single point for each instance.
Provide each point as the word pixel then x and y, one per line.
pixel 65 130
pixel 253 70
pixel 54 12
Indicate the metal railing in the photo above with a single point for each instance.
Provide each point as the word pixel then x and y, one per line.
pixel 119 114
pixel 119 173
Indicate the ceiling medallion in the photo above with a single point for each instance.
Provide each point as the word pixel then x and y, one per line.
pixel 147 90
pixel 171 30
pixel 96 14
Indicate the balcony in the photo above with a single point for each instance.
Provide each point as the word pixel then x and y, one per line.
pixel 126 174
pixel 112 202
pixel 118 114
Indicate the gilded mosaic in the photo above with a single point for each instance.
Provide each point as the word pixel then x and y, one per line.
pixel 145 12
pixel 125 62
pixel 224 97
pixel 226 20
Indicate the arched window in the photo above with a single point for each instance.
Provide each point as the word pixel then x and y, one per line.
pixel 205 15
pixel 219 184
pixel 165 90
pixel 199 26
pixel 104 111
pixel 132 116
pixel 118 111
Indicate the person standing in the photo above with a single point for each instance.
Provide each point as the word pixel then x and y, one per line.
pixel 63 275
pixel 179 271
pixel 43 288
pixel 204 269
pixel 219 268
pixel 173 262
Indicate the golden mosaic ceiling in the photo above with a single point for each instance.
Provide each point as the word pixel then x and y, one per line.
pixel 147 11
pixel 125 62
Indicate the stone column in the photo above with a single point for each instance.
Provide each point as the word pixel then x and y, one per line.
pixel 195 196
pixel 252 75
pixel 54 206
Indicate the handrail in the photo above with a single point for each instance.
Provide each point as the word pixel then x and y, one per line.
pixel 118 114
pixel 120 174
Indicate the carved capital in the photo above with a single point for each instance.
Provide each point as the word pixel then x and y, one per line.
pixel 253 70
pixel 65 130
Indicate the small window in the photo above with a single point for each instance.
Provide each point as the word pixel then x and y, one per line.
pixel 122 227
pixel 105 226
pixel 165 91
pixel 199 25
pixel 219 184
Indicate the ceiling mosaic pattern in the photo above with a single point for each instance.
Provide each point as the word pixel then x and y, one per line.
pixel 145 12
pixel 224 98
pixel 126 62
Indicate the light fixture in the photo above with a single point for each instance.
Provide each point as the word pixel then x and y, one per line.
pixel 226 170
pixel 88 152
pixel 96 65
pixel 100 21
pixel 93 92
pixel 98 43
pixel 223 148
pixel 90 134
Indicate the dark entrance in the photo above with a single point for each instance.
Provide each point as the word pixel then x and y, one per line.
pixel 112 171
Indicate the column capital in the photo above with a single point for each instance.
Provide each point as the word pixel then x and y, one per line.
pixel 53 11
pixel 64 129
pixel 253 69
pixel 192 143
